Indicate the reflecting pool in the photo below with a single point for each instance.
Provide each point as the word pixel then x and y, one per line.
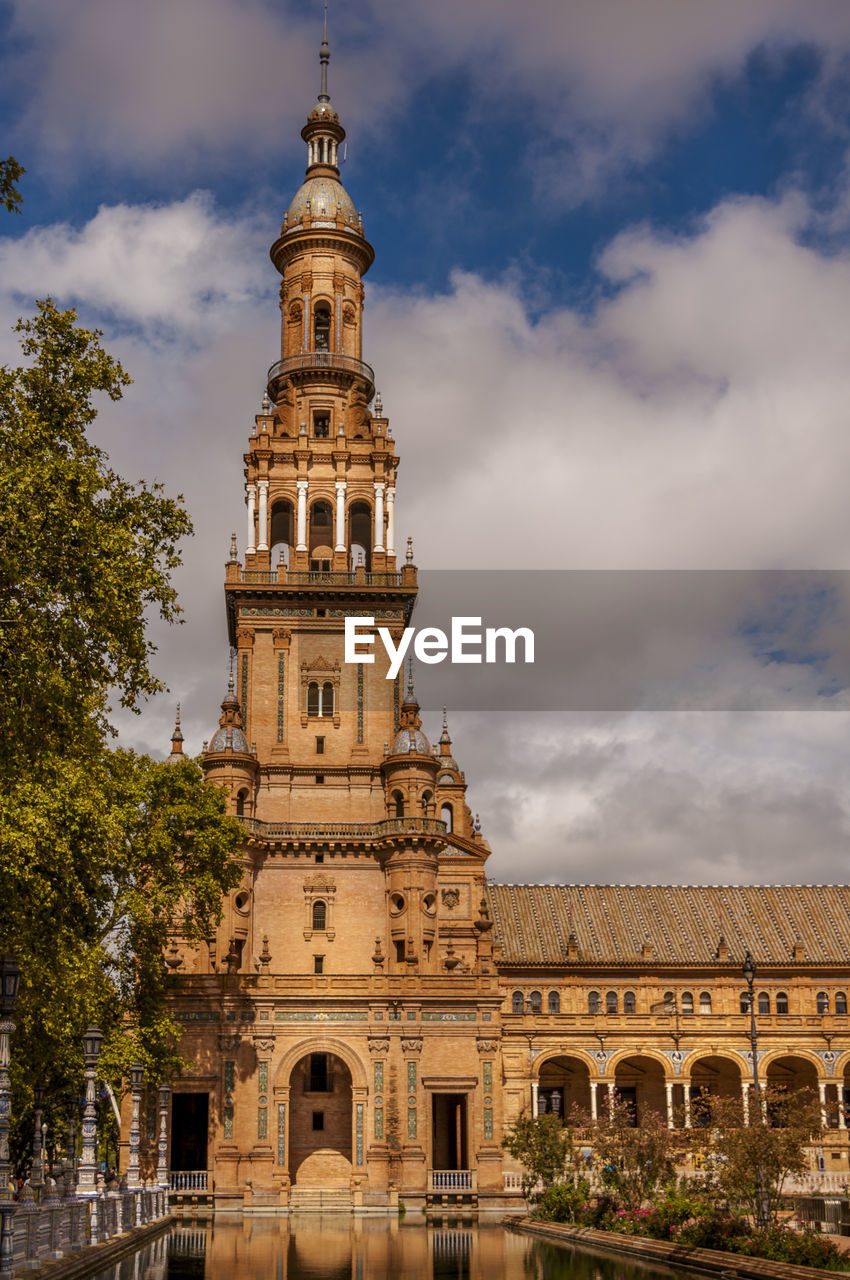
pixel 343 1248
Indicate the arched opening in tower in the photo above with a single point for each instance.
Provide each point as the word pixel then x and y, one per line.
pixel 360 535
pixel 320 1135
pixel 321 535
pixel 322 327
pixel 281 533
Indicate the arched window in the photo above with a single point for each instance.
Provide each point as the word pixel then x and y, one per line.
pixel 705 1002
pixel 554 1002
pixel 448 816
pixel 327 699
pixel 427 797
pixel 782 1002
pixel 516 1002
pixel 594 1002
pixel 313 708
pixel 612 1004
pixel 398 804
pixel 823 1002
pixel 841 1002
pixel 322 327
pixel 240 803
pixel 764 1002
pixel 535 1000
pixel 744 1002
pixel 687 1002
pixel 281 537
pixel 321 536
pixel 629 1002
pixel 360 535
pixel 320 915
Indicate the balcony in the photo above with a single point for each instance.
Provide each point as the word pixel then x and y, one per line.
pixel 307 362
pixel 318 578
pixel 360 831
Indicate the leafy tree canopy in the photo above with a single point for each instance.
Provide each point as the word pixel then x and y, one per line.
pixel 10 174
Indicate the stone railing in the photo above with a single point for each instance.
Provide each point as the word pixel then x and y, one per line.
pixel 35 1232
pixel 188 1180
pixel 806 1183
pixel 451 1180
pixel 318 578
pixel 308 361
pixel 344 830
pixel 512 1181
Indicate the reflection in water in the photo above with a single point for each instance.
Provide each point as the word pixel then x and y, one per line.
pixel 342 1248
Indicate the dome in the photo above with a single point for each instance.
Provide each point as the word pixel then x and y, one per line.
pixel 410 740
pixel 229 739
pixel 326 197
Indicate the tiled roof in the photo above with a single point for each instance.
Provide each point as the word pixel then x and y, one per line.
pixel 683 923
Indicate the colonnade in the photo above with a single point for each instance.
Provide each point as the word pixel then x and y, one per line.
pixel 257 498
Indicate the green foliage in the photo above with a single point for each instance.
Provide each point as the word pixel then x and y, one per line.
pixel 804 1248
pixel 633 1160
pixel 11 173
pixel 564 1201
pixel 544 1147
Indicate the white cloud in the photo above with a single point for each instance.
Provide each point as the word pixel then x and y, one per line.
pixel 696 418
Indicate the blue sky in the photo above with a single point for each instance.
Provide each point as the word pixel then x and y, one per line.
pixel 608 314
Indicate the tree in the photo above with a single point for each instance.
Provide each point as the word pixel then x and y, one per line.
pixel 545 1149
pixel 748 1163
pixel 10 174
pixel 633 1160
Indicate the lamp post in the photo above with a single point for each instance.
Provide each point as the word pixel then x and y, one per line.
pixel 162 1146
pixel 37 1171
pixel 748 968
pixel 87 1171
pixel 137 1079
pixel 10 976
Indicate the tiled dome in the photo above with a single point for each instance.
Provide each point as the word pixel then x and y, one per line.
pixel 229 739
pixel 411 740
pixel 326 197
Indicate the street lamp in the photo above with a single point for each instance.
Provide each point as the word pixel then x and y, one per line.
pixel 137 1079
pixel 748 968
pixel 87 1171
pixel 10 976
pixel 37 1172
pixel 162 1147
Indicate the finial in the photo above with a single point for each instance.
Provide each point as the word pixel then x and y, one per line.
pixel 410 694
pixel 408 555
pixel 324 59
pixel 267 404
pixel 177 737
pixel 233 545
pixel 476 826
pixel 230 677
pixel 379 405
pixel 445 721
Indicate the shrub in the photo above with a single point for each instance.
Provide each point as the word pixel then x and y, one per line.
pixel 564 1201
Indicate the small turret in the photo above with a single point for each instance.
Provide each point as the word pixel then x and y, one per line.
pixel 176 741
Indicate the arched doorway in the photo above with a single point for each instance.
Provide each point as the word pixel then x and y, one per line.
pixel 563 1087
pixel 712 1077
pixel 640 1084
pixel 320 1125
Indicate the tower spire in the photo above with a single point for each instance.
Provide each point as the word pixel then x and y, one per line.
pixel 324 59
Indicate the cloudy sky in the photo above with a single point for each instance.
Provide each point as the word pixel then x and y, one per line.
pixel 609 321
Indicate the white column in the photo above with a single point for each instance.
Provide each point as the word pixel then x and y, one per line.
pixel 687 1091
pixel 745 1100
pixel 839 1093
pixel 390 519
pixel 340 516
pixel 611 1087
pixel 668 1089
pixel 263 516
pixel 251 495
pixel 379 516
pixel 593 1111
pixel 301 530
pixel 822 1097
pixel 534 1087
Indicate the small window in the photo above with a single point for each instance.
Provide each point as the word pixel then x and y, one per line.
pixel 322 327
pixel 823 1002
pixel 240 804
pixel 744 1002
pixel 629 1002
pixel 318 1079
pixel 840 1002
pixel 320 779
pixel 553 1002
pixel 320 916
pixel 781 1002
pixel 320 746
pixel 594 1002
pixel 321 425
pixel 705 1002
pixel 318 1121
pixel 312 699
pixel 447 815
pixel 516 1002
pixel 536 1002
pixel 687 1002
pixel 398 804
pixel 327 699
pixel 763 1002
pixel 670 1002
pixel 320 857
pixel 318 964
pixel 612 1004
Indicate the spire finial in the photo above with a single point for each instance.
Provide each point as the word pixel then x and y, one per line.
pixel 177 737
pixel 230 687
pixel 410 694
pixel 324 59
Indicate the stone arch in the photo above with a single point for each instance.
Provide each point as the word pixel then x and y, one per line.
pixel 805 1055
pixel 581 1055
pixel 562 1084
pixel 621 1054
pixel 842 1064
pixel 321 1044
pixel 729 1054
